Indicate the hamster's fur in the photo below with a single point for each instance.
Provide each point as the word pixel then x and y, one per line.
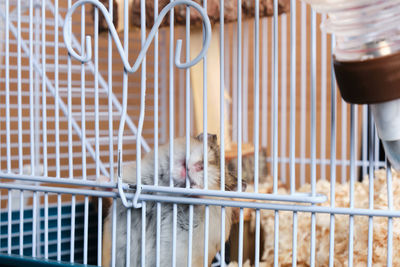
pixel 195 174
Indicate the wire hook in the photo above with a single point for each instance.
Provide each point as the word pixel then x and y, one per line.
pixel 87 55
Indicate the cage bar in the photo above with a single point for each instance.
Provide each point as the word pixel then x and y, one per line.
pixel 51 161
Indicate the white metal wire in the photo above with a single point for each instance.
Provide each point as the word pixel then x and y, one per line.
pixel 313 130
pixel 293 123
pixel 256 124
pixel 333 162
pixel 324 85
pixel 303 77
pixel 187 135
pixel 63 128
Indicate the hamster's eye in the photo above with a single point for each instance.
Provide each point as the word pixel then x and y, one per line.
pixel 199 166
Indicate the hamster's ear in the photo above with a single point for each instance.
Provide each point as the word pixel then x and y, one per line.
pixel 199 137
pixel 211 138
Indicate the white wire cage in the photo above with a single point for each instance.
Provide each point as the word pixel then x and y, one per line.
pixel 60 119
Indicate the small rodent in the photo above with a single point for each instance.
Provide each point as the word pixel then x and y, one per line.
pixel 195 174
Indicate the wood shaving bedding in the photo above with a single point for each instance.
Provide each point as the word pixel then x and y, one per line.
pixel 342 199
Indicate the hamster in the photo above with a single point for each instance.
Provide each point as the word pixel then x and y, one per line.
pixel 195 174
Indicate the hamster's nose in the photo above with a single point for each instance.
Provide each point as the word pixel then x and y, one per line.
pixel 183 172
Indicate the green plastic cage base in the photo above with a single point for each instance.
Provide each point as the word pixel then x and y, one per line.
pixel 16 260
pixel 65 240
